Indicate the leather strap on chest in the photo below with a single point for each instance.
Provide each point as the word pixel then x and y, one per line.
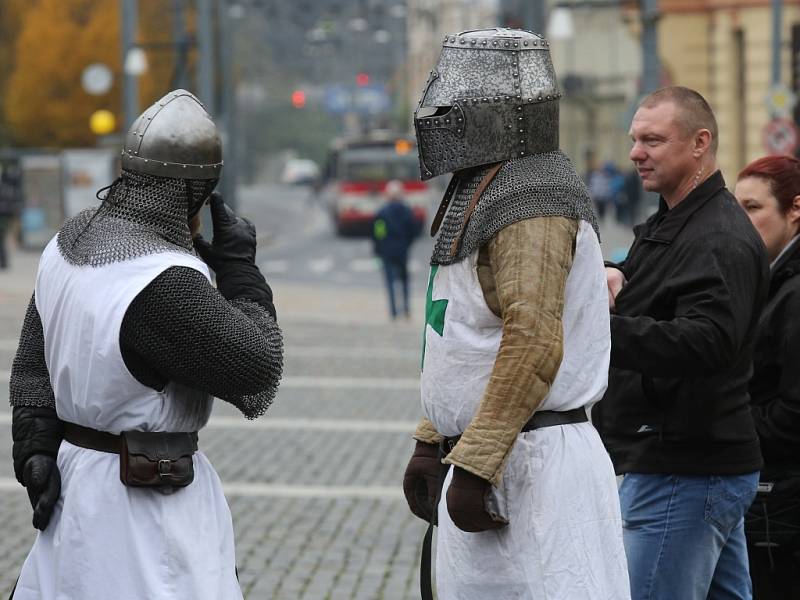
pixel 450 192
pixel 487 179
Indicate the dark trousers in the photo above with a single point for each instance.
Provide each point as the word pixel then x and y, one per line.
pixel 3 250
pixel 772 526
pixel 395 269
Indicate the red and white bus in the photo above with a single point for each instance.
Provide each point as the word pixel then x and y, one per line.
pixel 356 174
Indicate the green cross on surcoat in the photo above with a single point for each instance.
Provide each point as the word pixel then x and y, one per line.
pixel 434 313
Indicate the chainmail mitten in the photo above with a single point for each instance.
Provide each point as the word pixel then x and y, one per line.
pixel 232 255
pixel 179 328
pixel 30 380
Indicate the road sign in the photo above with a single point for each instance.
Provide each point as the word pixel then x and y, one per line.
pixel 781 136
pixel 780 100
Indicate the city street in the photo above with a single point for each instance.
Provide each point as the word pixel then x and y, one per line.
pixel 315 485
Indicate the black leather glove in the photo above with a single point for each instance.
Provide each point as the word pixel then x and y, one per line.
pixel 232 256
pixel 466 502
pixel 37 433
pixel 42 480
pixel 421 480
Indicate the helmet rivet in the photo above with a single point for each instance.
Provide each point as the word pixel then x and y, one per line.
pixel 462 41
pixel 548 97
pixel 540 98
pixel 535 43
pixel 524 43
pixel 472 42
pixel 494 43
pixel 506 44
pixel 522 141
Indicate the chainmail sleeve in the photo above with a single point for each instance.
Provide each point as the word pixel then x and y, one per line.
pixel 179 328
pixel 30 381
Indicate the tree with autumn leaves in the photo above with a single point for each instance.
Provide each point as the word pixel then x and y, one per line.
pixel 44 103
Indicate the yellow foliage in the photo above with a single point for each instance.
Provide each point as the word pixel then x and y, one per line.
pixel 45 104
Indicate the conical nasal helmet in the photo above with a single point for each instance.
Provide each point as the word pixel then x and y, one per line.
pixel 492 96
pixel 174 138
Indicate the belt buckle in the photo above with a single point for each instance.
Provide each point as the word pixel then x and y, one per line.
pixel 164 467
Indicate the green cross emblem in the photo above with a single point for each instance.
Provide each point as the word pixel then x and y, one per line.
pixel 434 313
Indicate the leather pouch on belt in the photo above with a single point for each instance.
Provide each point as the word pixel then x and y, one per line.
pixel 157 459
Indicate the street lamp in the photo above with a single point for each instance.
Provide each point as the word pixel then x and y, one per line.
pixel 135 62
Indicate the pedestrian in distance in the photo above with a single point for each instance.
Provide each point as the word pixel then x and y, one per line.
pixel 10 206
pixel 676 417
pixel 124 344
pixel 393 232
pixel 768 190
pixel 516 341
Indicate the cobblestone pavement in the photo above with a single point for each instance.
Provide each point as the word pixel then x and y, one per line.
pixel 314 486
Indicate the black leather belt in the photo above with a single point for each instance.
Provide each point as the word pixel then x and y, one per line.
pixel 93 439
pixel 541 418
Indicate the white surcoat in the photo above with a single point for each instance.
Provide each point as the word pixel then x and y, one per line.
pixel 564 541
pixel 106 540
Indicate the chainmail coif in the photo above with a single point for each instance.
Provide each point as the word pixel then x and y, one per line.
pixel 539 185
pixel 141 215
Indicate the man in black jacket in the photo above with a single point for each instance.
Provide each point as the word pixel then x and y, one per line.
pixel 676 417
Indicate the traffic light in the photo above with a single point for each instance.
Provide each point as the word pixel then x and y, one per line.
pixel 298 98
pixel 362 79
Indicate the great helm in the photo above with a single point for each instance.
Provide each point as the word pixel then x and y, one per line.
pixel 493 96
pixel 175 138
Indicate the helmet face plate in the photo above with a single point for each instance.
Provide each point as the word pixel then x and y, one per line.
pixel 493 96
pixel 175 137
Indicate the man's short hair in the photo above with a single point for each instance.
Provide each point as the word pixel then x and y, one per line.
pixel 694 113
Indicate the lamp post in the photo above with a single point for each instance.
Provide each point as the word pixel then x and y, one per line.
pixel 131 61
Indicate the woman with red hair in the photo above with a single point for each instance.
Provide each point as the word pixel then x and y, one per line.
pixel 768 189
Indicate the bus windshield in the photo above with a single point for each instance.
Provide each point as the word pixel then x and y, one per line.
pixel 377 164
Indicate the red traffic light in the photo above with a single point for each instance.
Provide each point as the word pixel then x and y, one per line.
pixel 362 79
pixel 298 98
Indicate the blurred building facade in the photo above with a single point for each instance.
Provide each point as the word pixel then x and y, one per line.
pixel 427 22
pixel 598 61
pixel 723 49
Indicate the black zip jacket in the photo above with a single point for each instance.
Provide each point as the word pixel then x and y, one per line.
pixel 682 341
pixel 775 386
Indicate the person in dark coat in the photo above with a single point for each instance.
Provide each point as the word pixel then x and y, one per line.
pixel 394 230
pixel 10 206
pixel 768 189
pixel 676 416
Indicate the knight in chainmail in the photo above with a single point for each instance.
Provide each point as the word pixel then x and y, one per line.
pixel 516 345
pixel 126 334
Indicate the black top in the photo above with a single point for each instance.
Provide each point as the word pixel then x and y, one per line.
pixel 775 386
pixel 682 341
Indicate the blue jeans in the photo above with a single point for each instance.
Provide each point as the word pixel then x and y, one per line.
pixel 684 535
pixel 395 269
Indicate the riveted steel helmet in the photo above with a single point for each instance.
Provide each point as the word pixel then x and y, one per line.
pixel 174 138
pixel 493 96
